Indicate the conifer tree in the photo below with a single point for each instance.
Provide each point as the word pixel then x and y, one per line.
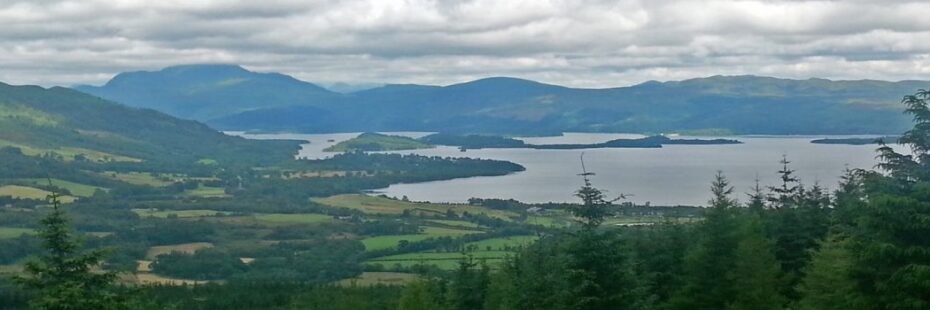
pixel 756 275
pixel 63 277
pixel 828 282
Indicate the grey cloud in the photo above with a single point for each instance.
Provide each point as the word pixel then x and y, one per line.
pixel 582 43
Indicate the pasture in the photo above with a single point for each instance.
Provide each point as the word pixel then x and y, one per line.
pixel 178 213
pixel 390 241
pixel 379 278
pixel 25 192
pixel 76 189
pixel 188 248
pixel 386 206
pixel 296 218
pixel 14 232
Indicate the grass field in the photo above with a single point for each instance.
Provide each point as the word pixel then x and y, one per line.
pixel 76 189
pixel 379 278
pixel 178 213
pixel 206 192
pixel 442 260
pixel 498 244
pixel 547 221
pixel 140 178
pixel 299 218
pixel 68 153
pixel 381 205
pixel 153 279
pixel 189 248
pixel 10 269
pixel 454 223
pixel 25 192
pixel 390 241
pixel 13 232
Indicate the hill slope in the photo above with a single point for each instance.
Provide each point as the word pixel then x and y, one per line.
pixel 203 92
pixel 737 104
pixel 70 123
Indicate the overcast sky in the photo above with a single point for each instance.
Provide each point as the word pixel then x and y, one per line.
pixel 575 43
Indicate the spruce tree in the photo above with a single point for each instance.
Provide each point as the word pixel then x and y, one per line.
pixel 63 277
pixel 756 275
pixel 713 256
pixel 828 282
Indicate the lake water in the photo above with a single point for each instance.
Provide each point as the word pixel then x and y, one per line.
pixel 672 175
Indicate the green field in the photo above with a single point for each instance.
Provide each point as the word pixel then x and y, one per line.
pixel 380 278
pixel 381 205
pixel 298 218
pixel 77 189
pixel 178 213
pixel 498 244
pixel 69 153
pixel 140 178
pixel 206 192
pixel 443 260
pixel 390 241
pixel 377 142
pixel 547 221
pixel 25 192
pixel 13 232
pixel 454 223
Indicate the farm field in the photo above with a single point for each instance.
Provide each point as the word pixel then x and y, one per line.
pixel 379 278
pixel 498 244
pixel 25 192
pixel 296 218
pixel 442 260
pixel 382 205
pixel 206 192
pixel 455 223
pixel 179 213
pixel 140 178
pixel 390 241
pixel 153 279
pixel 69 153
pixel 14 232
pixel 188 248
pixel 76 189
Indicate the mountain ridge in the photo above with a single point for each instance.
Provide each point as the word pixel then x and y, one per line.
pixel 743 104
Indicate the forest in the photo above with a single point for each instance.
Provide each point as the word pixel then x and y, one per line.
pixel 793 245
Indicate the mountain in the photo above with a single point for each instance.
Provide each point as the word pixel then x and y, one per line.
pixel 203 92
pixel 70 124
pixel 501 105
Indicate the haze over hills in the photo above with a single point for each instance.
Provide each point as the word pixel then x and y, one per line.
pixel 231 98
pixel 70 124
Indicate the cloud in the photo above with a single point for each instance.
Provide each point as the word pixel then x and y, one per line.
pixel 580 43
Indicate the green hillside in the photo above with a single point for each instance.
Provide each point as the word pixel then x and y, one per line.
pixel 373 142
pixel 71 125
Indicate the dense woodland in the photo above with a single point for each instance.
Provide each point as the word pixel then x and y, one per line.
pixel 788 246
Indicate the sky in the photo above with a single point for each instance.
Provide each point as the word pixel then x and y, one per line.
pixel 574 43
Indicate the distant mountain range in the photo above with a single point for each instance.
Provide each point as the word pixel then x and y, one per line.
pixel 72 125
pixel 231 98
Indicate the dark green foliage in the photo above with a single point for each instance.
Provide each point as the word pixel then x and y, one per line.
pixel 828 282
pixel 206 264
pixel 62 277
pixel 756 275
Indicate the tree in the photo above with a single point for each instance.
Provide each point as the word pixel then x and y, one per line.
pixel 418 295
pixel 828 282
pixel 713 255
pixel 63 278
pixel 783 196
pixel 756 275
pixel 891 241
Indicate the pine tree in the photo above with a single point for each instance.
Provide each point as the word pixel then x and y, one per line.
pixel 713 256
pixel 63 278
pixel 756 198
pixel 784 196
pixel 828 282
pixel 418 295
pixel 756 275
pixel 892 239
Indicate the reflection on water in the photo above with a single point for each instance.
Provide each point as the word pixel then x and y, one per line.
pixel 675 174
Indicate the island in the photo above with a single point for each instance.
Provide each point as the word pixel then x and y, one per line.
pixel 374 142
pixel 857 141
pixel 479 142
